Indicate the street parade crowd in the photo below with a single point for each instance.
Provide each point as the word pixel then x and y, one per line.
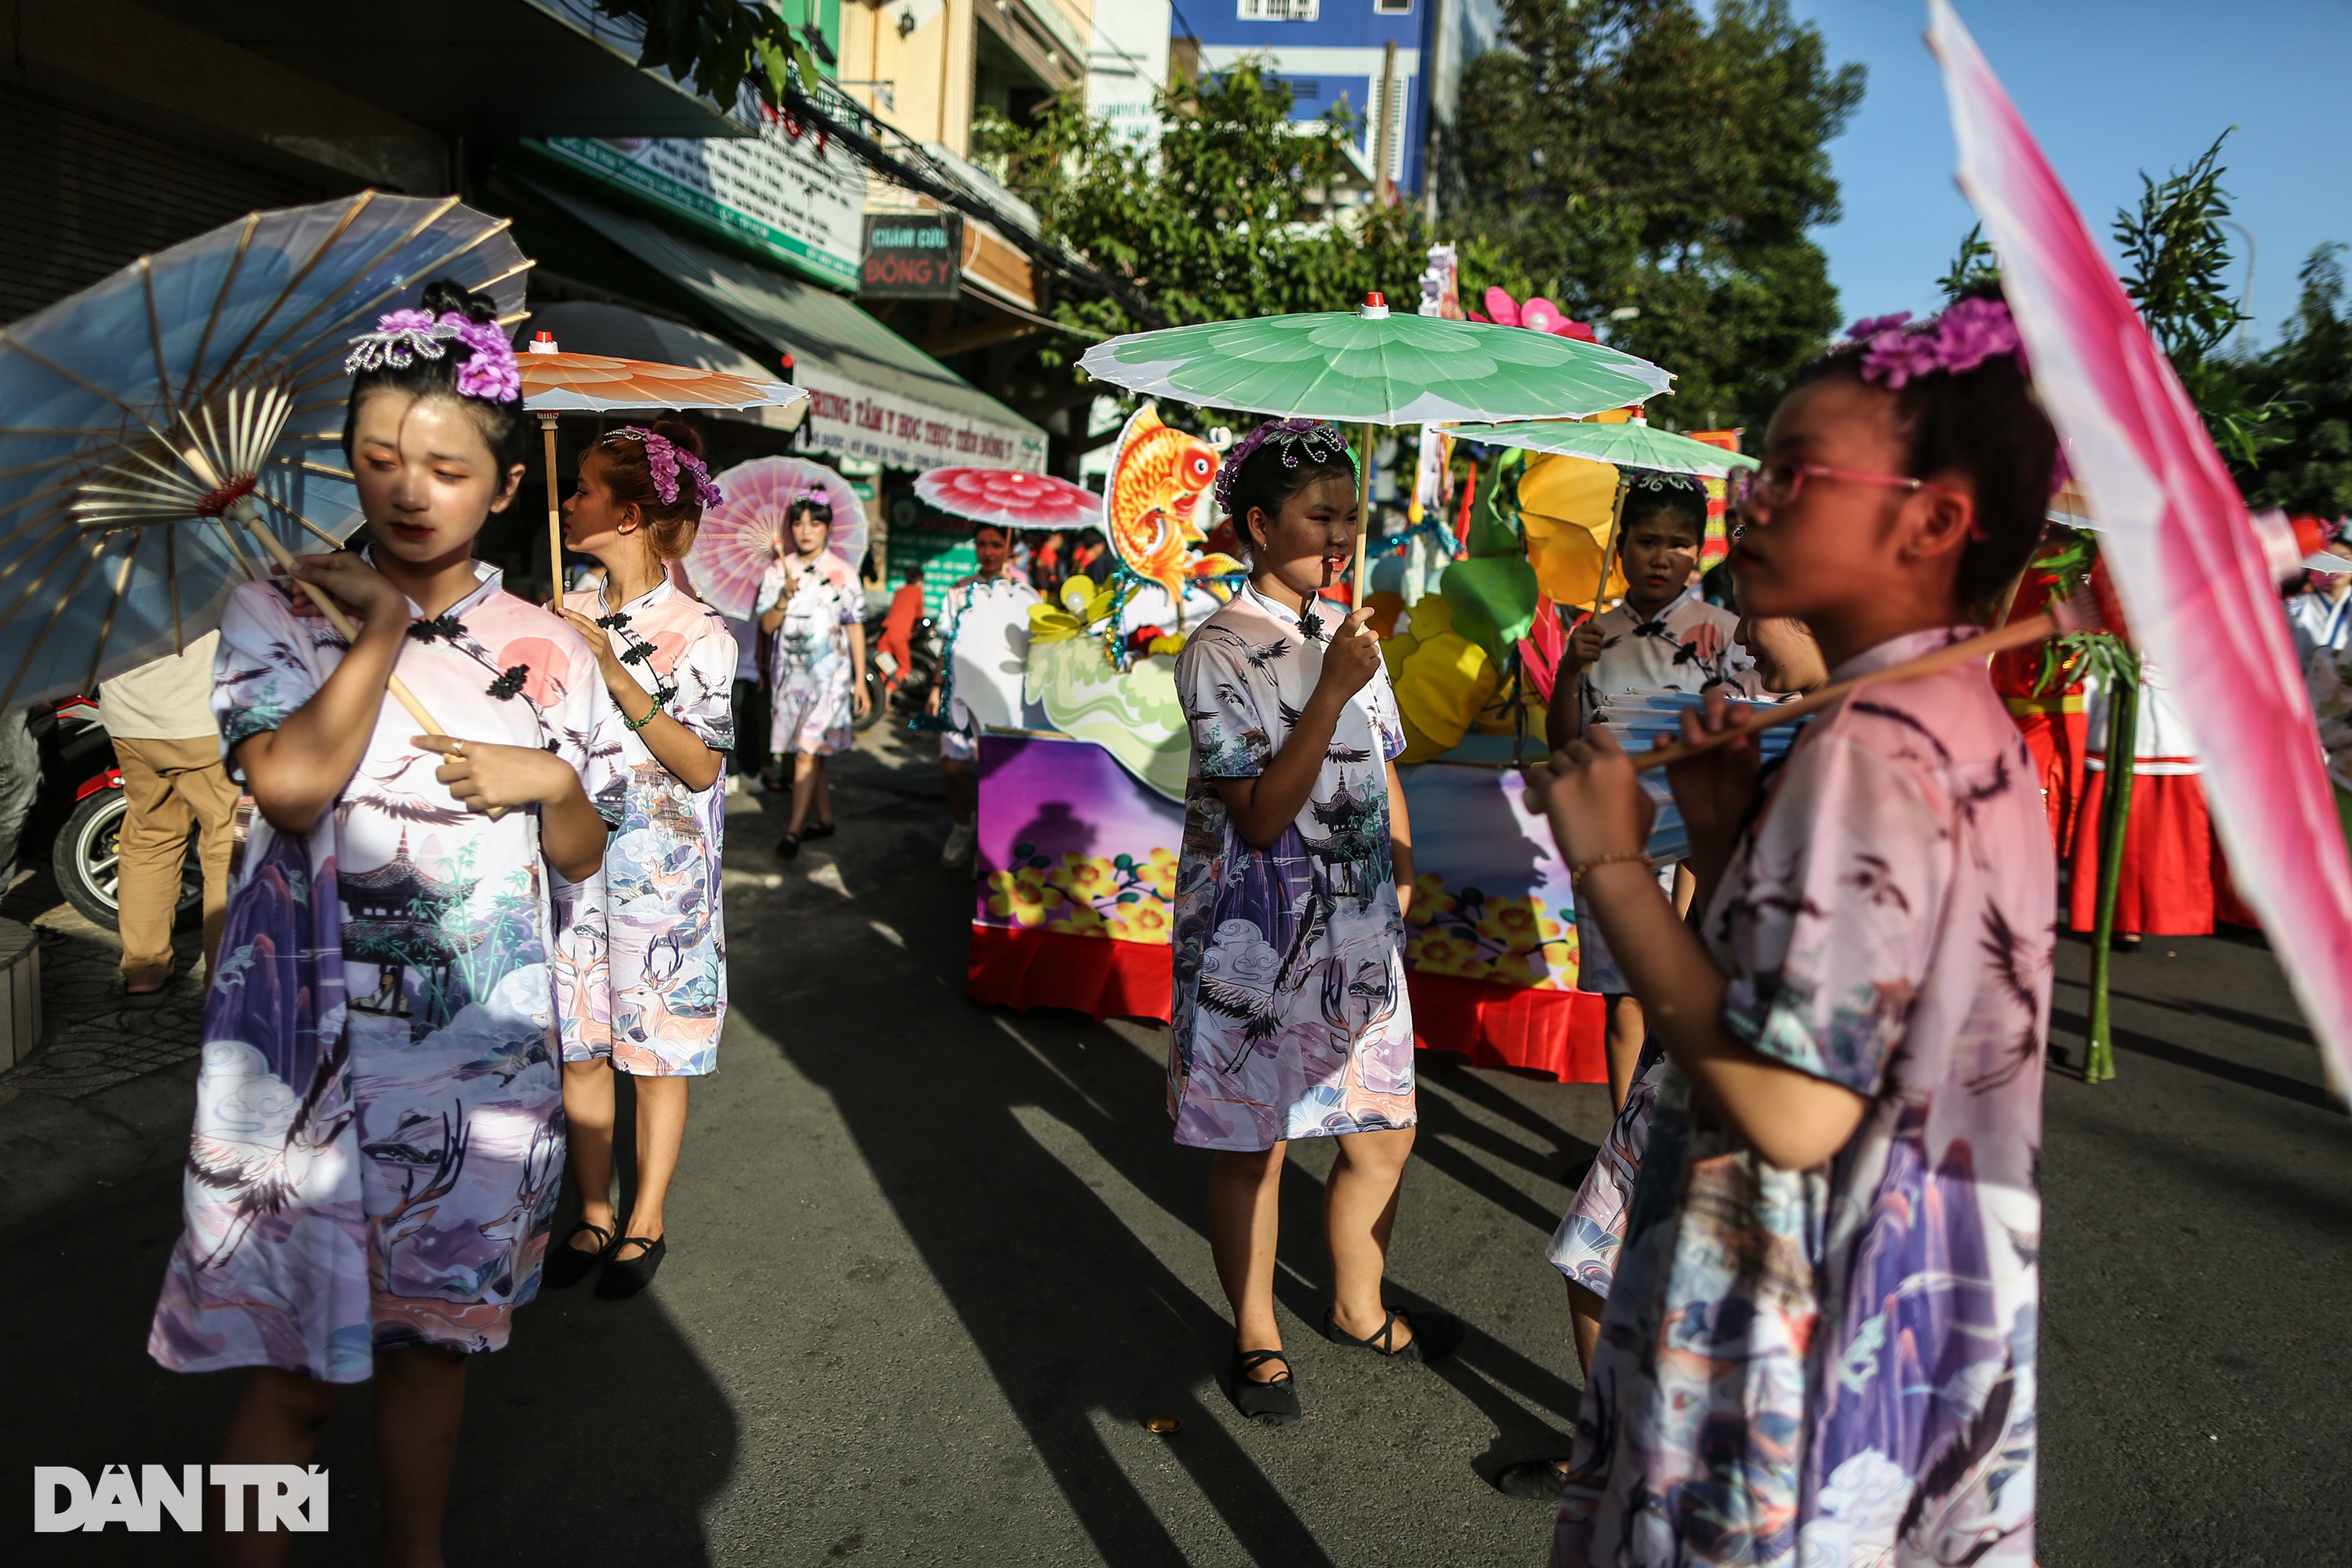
pixel 1802 1275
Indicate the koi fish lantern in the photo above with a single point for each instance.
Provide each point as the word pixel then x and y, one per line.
pixel 1152 511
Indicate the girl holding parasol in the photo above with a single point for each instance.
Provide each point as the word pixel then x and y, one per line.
pixel 642 979
pixel 1819 1339
pixel 379 1125
pixel 810 602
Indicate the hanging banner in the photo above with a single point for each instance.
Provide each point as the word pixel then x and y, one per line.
pixel 853 420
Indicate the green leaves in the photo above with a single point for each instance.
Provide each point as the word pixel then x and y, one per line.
pixel 714 45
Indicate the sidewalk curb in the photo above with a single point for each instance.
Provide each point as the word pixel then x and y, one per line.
pixel 55 1154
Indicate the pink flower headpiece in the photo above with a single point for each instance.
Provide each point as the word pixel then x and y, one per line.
pixel 1968 333
pixel 403 337
pixel 664 459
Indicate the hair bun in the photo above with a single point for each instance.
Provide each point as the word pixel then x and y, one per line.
pixel 680 434
pixel 443 296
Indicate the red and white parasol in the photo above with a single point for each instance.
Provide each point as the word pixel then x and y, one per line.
pixel 1011 498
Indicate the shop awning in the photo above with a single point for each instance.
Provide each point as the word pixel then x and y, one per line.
pixel 875 395
pixel 473 67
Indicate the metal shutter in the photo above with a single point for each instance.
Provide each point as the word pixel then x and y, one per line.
pixel 82 197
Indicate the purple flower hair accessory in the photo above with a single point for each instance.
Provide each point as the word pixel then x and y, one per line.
pixel 1968 333
pixel 491 374
pixel 666 461
pixel 1318 440
pixel 401 338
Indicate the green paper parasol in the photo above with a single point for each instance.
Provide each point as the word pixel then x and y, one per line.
pixel 1369 367
pixel 1628 446
pixel 1373 367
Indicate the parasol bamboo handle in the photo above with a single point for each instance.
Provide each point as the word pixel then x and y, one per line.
pixel 1609 550
pixel 554 517
pixel 1363 515
pixel 2016 634
pixel 337 619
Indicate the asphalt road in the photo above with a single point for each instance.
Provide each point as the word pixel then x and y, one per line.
pixel 933 1267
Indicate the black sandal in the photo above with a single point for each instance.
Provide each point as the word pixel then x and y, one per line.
pixel 1537 1481
pixel 567 1264
pixel 789 845
pixel 817 830
pixel 1273 1402
pixel 624 1277
pixel 1434 1337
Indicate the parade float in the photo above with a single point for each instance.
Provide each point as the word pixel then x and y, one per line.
pixel 1083 752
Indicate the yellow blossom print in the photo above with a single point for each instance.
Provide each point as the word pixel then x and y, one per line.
pixel 1022 894
pixel 1512 923
pixel 1140 922
pixel 1086 880
pixel 1081 920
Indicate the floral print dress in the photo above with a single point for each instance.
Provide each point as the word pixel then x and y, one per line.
pixel 1291 1018
pixel 1835 1367
pixel 379 1127
pixel 810 676
pixel 641 962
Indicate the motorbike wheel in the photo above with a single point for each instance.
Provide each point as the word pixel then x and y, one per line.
pixel 878 699
pixel 87 865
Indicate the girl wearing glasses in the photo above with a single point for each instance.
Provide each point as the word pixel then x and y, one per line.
pixel 1819 1339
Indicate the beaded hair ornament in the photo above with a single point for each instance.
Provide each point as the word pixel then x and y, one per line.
pixel 402 337
pixel 664 461
pixel 1968 333
pixel 1313 439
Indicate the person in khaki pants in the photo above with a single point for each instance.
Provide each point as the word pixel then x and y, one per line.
pixel 160 717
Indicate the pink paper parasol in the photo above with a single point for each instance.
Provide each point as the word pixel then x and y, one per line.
pixel 1011 498
pixel 2197 575
pixel 739 537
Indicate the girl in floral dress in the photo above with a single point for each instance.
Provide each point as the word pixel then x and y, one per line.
pixel 1819 1342
pixel 379 1129
pixel 1291 1019
pixel 642 968
pixel 811 602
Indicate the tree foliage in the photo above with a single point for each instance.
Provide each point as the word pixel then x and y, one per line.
pixel 2309 377
pixel 1638 153
pixel 2177 262
pixel 1225 219
pixel 717 45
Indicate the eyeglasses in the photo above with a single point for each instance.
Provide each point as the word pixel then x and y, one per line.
pixel 1780 484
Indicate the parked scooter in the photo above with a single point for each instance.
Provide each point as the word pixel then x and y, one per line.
pixel 80 813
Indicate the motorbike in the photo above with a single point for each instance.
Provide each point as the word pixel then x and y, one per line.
pixel 79 811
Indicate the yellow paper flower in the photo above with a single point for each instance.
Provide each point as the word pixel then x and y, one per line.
pixel 1168 645
pixel 1145 922
pixel 1081 920
pixel 1082 604
pixel 1440 690
pixel 1511 923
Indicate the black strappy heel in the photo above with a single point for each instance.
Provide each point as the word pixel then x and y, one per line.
pixel 817 830
pixel 789 845
pixel 567 1264
pixel 624 1277
pixel 1275 1401
pixel 1435 1335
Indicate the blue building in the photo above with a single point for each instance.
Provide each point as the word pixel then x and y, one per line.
pixel 1336 52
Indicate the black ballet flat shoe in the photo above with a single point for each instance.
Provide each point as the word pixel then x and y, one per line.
pixel 817 830
pixel 567 1265
pixel 789 845
pixel 624 1277
pixel 1536 1480
pixel 1273 1402
pixel 1435 1335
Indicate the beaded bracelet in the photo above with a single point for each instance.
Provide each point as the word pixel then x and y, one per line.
pixel 1578 872
pixel 652 713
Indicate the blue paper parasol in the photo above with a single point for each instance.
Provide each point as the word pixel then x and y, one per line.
pixel 164 433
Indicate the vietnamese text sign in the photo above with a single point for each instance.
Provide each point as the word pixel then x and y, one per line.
pixel 852 420
pixel 912 256
pixel 785 190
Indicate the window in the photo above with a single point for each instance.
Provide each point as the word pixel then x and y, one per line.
pixel 1302 91
pixel 1393 7
pixel 1281 10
